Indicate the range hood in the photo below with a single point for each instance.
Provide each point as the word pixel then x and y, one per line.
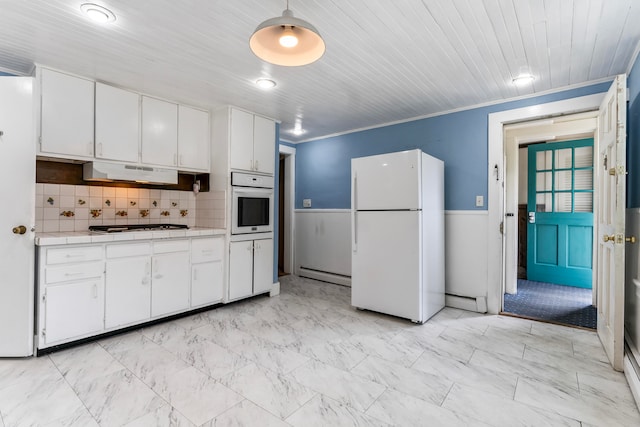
pixel 105 171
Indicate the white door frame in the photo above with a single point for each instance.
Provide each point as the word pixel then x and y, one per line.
pixel 495 168
pixel 289 205
pixel 573 126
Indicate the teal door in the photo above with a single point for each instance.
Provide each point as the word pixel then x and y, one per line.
pixel 560 207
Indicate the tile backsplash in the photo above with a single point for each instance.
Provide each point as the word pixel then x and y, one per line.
pixel 75 207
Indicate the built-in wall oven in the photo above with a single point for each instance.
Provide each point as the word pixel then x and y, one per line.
pixel 252 203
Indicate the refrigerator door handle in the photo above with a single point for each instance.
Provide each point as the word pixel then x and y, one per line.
pixel 354 237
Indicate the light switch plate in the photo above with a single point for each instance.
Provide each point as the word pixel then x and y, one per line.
pixel 479 201
pixel 306 203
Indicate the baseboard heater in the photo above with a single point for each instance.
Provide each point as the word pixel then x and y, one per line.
pixel 325 276
pixel 632 368
pixel 478 304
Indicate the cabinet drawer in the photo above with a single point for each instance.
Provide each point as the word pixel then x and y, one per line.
pixel 76 254
pixel 67 273
pixel 205 250
pixel 128 250
pixel 170 246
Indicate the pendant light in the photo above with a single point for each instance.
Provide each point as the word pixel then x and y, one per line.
pixel 287 41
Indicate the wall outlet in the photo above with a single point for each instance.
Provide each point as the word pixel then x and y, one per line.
pixel 479 201
pixel 306 203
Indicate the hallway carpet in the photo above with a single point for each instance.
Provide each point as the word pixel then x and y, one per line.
pixel 554 303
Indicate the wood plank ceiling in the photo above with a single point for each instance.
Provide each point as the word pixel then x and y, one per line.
pixel 385 60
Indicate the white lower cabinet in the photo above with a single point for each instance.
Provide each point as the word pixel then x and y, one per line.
pixel 207 271
pixel 262 265
pixel 170 282
pixel 250 268
pixel 86 290
pixel 240 269
pixel 128 284
pixel 73 309
pixel 71 294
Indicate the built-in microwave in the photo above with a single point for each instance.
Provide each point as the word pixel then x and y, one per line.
pixel 252 203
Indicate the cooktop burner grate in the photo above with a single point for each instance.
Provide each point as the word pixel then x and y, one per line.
pixel 135 227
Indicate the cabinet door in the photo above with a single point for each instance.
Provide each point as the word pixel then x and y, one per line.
pixel 117 123
pixel 159 132
pixel 262 265
pixel 240 269
pixel 193 139
pixel 66 115
pixel 241 140
pixel 74 309
pixel 264 145
pixel 127 291
pixel 206 283
pixel 170 283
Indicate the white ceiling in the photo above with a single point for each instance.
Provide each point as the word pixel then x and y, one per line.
pixel 385 61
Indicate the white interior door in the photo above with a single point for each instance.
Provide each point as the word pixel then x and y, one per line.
pixel 610 242
pixel 17 186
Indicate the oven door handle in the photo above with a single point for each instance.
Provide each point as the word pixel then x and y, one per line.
pixel 252 190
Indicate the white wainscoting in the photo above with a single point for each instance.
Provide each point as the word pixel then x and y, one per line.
pixel 465 259
pixel 323 251
pixel 323 244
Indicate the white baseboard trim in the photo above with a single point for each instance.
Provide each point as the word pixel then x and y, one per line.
pixel 324 276
pixel 477 304
pixel 275 289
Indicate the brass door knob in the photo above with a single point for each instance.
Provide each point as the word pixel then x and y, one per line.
pixel 21 229
pixel 606 238
pixel 631 239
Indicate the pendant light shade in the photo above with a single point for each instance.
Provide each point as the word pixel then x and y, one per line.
pixel 287 41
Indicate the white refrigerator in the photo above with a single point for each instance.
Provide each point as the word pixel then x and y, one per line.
pixel 397 226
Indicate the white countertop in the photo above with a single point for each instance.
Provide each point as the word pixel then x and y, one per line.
pixel 78 237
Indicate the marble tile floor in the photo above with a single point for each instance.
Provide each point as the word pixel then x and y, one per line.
pixel 307 358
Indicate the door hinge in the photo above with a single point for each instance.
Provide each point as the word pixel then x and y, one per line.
pixel 44 297
pixel 502 227
pixel 44 333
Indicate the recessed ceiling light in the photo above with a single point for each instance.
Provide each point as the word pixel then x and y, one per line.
pixel 97 13
pixel 523 79
pixel 265 83
pixel 298 131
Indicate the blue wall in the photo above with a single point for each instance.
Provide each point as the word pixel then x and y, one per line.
pixel 323 167
pixel 633 137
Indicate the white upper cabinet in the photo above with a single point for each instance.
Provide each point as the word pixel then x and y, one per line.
pixel 252 142
pixel 264 137
pixel 117 124
pixel 241 140
pixel 193 139
pixel 67 115
pixel 159 132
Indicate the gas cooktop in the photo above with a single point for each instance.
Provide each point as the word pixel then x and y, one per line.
pixel 135 227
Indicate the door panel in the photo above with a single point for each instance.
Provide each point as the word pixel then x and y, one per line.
pixel 560 229
pixel 17 163
pixel 611 201
pixel 387 181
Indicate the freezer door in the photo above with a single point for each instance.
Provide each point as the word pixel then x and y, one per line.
pixel 386 181
pixel 386 271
